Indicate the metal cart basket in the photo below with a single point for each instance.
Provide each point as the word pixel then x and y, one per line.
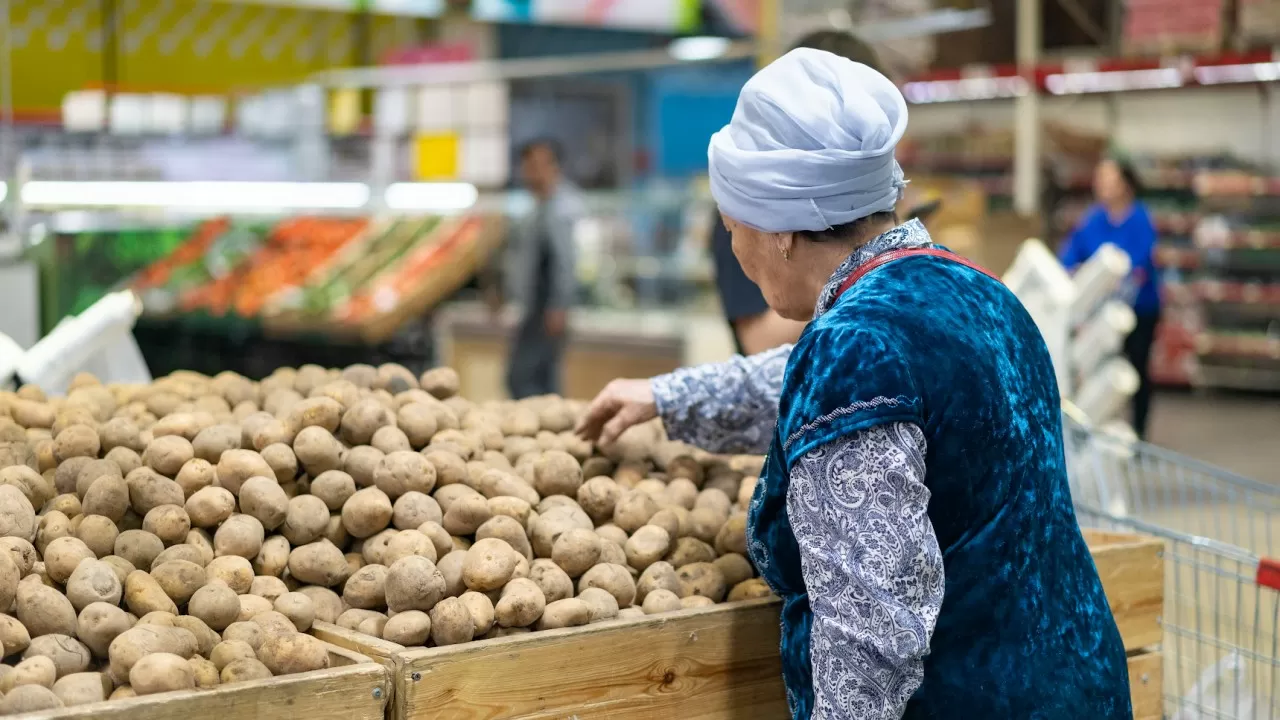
pixel 1221 606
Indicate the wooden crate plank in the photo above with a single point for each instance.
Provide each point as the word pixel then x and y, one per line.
pixel 1146 685
pixel 708 664
pixel 1132 572
pixel 355 688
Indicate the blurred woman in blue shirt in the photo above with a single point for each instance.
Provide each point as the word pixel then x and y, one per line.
pixel 1120 219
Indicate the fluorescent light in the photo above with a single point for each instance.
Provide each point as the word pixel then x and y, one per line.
pixel 702 47
pixel 431 197
pixel 1246 73
pixel 978 88
pixel 222 196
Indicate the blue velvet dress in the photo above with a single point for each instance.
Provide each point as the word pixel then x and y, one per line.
pixel 1024 630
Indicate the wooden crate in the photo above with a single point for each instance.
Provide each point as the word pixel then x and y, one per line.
pixel 353 688
pixel 1132 572
pixel 718 663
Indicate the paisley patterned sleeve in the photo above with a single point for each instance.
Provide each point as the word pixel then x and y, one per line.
pixel 871 566
pixel 728 407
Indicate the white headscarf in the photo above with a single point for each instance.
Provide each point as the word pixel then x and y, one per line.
pixel 810 145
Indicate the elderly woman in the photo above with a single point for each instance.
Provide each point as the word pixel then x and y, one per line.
pixel 913 514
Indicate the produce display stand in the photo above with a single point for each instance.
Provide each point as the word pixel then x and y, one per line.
pixel 716 663
pixel 353 688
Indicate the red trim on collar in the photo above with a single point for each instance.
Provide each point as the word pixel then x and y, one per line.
pixel 888 257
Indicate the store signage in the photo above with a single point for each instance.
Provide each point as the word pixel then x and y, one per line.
pixel 665 15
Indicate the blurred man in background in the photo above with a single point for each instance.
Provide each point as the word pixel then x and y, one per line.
pixel 540 277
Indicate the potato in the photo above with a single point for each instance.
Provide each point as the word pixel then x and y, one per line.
pixel 317 450
pixel 408 542
pixel 236 466
pixel 167 454
pixel 489 565
pixel 298 608
pixel 93 581
pixel 647 546
pixel 679 492
pixel 410 628
pixel 161 672
pixel 67 504
pixel 510 531
pixel 179 579
pixel 204 673
pixel 107 496
pixel 244 670
pixel 450 567
pixel 233 570
pixel 322 411
pixel 675 520
pixel 450 468
pixel 576 551
pixel 354 619
pixel 413 583
pixel 9 577
pixel 616 579
pixel 689 550
pixel 170 523
pixel 404 471
pixel 142 640
pixel 750 590
pixel 29 698
pixel 633 510
pixel 735 568
pixel 250 633
pixel 557 473
pixel 441 382
pixel 361 463
pixel 76 441
pixel 67 654
pixel 209 507
pixel 366 588
pixel 601 604
pixel 598 496
pixel 389 439
pixel 35 671
pixel 328 604
pixel 497 483
pixel 126 459
pixel 120 432
pixel 451 622
pixel 701 578
pixel 211 442
pixel 21 552
pixel 334 487
pixel 240 536
pixel 228 651
pixel 17 516
pixel 362 420
pixel 521 605
pixel 570 612
pixel 205 637
pixel 279 456
pixel 466 514
pixel 481 609
pixel 14 637
pixel 52 526
pixel 550 525
pixel 98 534
pixel 732 537
pixel 66 475
pixel 44 611
pixel 216 605
pixel 306 520
pixel 142 594
pixel 289 654
pixel 147 491
pixel 183 551
pixel 705 523
pixel 157 617
pixel 658 576
pixel 414 508
pixel 252 607
pixel 661 601
pixel 139 547
pixel 82 688
pixel 318 563
pixel 263 498
pixel 367 512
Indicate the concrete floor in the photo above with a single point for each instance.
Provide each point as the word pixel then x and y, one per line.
pixel 1240 433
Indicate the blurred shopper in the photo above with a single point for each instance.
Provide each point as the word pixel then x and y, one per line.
pixel 540 272
pixel 1120 219
pixel 913 512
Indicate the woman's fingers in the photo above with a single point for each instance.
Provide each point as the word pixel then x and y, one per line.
pixel 600 411
pixel 626 417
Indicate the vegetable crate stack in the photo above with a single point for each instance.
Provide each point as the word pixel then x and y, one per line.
pixel 208 546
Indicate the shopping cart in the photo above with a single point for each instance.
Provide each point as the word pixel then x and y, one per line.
pixel 1222 605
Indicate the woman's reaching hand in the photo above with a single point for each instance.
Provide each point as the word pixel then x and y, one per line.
pixel 620 405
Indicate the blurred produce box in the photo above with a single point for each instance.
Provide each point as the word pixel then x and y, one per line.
pixel 1165 27
pixel 1258 20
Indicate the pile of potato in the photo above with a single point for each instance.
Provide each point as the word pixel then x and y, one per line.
pixel 187 533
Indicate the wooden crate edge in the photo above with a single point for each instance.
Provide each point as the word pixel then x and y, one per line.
pixel 1146 684
pixel 354 667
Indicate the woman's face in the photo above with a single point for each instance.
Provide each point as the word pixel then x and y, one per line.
pixel 1108 182
pixel 761 256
